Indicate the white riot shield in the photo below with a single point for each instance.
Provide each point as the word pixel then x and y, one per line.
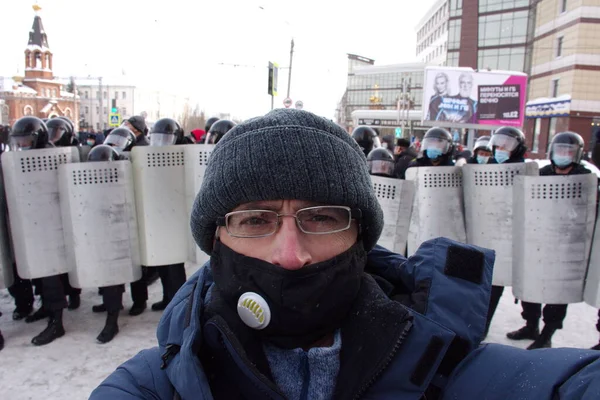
pixel 196 160
pixel 591 292
pixel 163 220
pixel 31 179
pixel 488 194
pixel 6 270
pixel 437 209
pixel 100 223
pixel 553 223
pixel 395 197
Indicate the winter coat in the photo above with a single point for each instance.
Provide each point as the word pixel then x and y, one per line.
pixel 402 162
pixel 414 333
pixel 142 140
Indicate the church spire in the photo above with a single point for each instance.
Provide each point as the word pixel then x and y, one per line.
pixel 38 57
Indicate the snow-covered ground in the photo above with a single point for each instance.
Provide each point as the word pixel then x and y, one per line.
pixel 72 366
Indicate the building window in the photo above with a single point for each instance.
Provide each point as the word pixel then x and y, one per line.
pixel 28 110
pixel 551 132
pixel 503 29
pixel 97 94
pixel 97 126
pixel 536 135
pixel 53 92
pixel 123 112
pixel 68 113
pixel 559 45
pixel 86 94
pixel 104 94
pixel 554 89
pixel 455 8
pixel 563 6
pixel 105 111
pixel 512 59
pixel 97 110
pixel 87 110
pixel 124 95
pixel 497 5
pixel 454 28
pixel 116 95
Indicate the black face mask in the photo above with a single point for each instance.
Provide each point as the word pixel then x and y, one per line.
pixel 305 304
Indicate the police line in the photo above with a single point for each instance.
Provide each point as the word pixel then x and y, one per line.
pixel 98 221
pixel 101 221
pixel 541 227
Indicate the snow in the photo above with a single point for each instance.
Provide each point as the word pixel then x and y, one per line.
pixel 72 366
pixel 545 100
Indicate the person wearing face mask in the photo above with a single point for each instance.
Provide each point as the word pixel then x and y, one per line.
pixel 508 146
pixel 481 151
pixel 91 140
pixel 566 151
pixel 298 302
pixel 436 149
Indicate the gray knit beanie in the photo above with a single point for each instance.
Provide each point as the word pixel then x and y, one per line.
pixel 285 155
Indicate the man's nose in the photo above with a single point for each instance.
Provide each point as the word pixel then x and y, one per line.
pixel 289 249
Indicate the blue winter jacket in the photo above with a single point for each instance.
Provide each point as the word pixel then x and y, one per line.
pixel 444 292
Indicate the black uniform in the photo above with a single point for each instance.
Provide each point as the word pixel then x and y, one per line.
pixel 424 161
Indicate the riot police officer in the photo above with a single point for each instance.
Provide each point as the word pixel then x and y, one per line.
pixel 508 146
pixel 112 296
pixel 123 139
pixel 218 130
pixel 60 134
pixel 31 133
pixel 566 151
pixel 436 149
pixel 366 138
pixel 481 152
pixel 381 163
pixel 166 132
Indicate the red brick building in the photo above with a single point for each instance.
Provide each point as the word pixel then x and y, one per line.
pixel 38 93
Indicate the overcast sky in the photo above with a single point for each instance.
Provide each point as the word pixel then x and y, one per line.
pixel 178 45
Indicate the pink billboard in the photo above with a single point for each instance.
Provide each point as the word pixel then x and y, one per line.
pixel 463 96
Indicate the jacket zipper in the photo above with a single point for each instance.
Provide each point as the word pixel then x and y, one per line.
pixel 387 362
pixel 172 350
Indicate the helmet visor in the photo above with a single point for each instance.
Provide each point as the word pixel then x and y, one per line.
pixel 442 144
pixel 381 167
pixel 119 142
pixel 503 142
pixel 55 133
pixel 22 142
pixel 162 139
pixel 565 150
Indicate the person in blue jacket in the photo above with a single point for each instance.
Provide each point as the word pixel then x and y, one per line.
pixel 298 302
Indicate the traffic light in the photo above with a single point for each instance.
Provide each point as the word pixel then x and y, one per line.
pixel 272 87
pixel 114 106
pixel 398 132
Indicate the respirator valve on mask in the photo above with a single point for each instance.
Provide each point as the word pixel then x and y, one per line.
pixel 254 310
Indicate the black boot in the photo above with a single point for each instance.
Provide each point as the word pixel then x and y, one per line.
pixel 530 331
pixel 40 314
pixel 111 328
pixel 544 340
pixel 99 308
pixel 21 312
pixel 74 302
pixel 54 330
pixel 161 305
pixel 137 308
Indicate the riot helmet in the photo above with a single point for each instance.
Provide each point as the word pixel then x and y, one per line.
pixel 481 150
pixel 166 132
pixel 69 122
pixel 103 152
pixel 218 130
pixel 59 130
pixel 437 143
pixel 209 123
pixel 367 139
pixel 508 144
pixel 28 133
pixel 120 138
pixel 381 162
pixel 566 149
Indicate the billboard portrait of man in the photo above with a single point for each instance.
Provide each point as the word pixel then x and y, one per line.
pixel 441 89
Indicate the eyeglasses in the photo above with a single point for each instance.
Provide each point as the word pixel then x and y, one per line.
pixel 320 220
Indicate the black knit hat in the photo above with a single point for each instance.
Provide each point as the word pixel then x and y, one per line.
pixel 286 154
pixel 139 123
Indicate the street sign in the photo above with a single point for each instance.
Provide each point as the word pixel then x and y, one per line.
pixel 299 105
pixel 287 102
pixel 114 119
